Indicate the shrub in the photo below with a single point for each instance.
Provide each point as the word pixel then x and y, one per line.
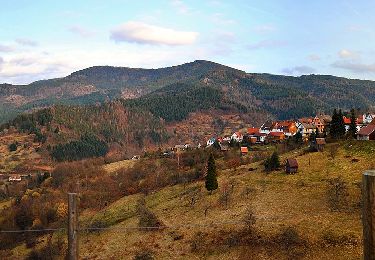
pixel 249 219
pixel 147 218
pixel 337 194
pixel 272 163
pixel 145 254
pixel 12 147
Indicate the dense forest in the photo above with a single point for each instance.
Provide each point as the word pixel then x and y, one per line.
pixel 181 87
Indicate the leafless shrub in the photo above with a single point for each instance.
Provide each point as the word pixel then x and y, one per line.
pixel 144 254
pixel 337 194
pixel 147 218
pixel 333 150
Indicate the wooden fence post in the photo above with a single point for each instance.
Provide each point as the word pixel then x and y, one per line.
pixel 72 227
pixel 368 214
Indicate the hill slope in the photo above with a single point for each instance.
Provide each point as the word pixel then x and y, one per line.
pixel 275 95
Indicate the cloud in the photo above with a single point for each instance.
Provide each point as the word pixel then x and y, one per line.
pixel 26 42
pixel 265 28
pixel 142 33
pixel 23 61
pixel 266 44
pixel 354 67
pixel 6 48
pixel 347 54
pixel 299 70
pixel 81 31
pixel 314 57
pixel 1 63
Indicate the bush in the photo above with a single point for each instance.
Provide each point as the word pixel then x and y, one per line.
pixel 272 163
pixel 144 255
pixel 333 239
pixel 12 147
pixel 147 218
pixel 337 194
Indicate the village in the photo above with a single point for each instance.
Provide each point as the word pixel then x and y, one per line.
pixel 278 131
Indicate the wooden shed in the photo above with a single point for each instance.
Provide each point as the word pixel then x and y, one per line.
pixel 291 165
pixel 244 150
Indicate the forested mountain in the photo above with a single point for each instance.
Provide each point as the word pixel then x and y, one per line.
pixel 280 96
pixel 186 103
pixel 173 93
pixel 96 84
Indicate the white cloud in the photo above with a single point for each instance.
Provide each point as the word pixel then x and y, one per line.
pixel 81 31
pixel 347 54
pixel 6 48
pixel 142 33
pixel 1 63
pixel 355 67
pixel 299 70
pixel 26 42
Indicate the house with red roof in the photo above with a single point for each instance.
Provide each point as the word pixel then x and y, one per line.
pixel 237 136
pixel 276 136
pixel 367 132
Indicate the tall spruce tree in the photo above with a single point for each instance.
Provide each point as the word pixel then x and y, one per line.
pixel 337 126
pixel 211 179
pixel 272 163
pixel 353 126
pixel 341 125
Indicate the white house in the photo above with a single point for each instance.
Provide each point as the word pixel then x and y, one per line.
pixel 237 136
pixel 367 118
pixel 211 141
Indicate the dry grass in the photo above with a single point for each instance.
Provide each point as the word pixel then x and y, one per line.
pixel 112 167
pixel 278 200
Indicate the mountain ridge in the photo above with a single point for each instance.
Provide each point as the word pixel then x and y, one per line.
pixel 275 94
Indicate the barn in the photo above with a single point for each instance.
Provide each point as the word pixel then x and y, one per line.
pixel 291 165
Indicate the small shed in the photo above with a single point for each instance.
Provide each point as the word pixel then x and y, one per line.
pixel 291 165
pixel 320 143
pixel 244 150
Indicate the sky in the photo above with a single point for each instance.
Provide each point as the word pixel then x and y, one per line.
pixel 47 39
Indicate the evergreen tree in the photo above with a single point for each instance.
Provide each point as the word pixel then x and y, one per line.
pixel 337 126
pixel 211 180
pixel 272 163
pixel 341 125
pixel 353 126
pixel 298 139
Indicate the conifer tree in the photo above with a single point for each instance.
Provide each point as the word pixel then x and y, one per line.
pixel 272 163
pixel 211 179
pixel 337 126
pixel 341 125
pixel 353 125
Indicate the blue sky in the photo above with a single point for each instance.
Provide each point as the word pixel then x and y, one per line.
pixel 45 39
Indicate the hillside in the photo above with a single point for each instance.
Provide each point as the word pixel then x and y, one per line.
pixel 96 84
pixel 273 95
pixel 296 216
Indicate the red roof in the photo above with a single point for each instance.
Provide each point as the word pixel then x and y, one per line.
pixel 367 130
pixel 276 134
pixel 253 131
pixel 347 120
pixel 244 149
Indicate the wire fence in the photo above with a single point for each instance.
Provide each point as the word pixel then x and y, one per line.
pixel 130 227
